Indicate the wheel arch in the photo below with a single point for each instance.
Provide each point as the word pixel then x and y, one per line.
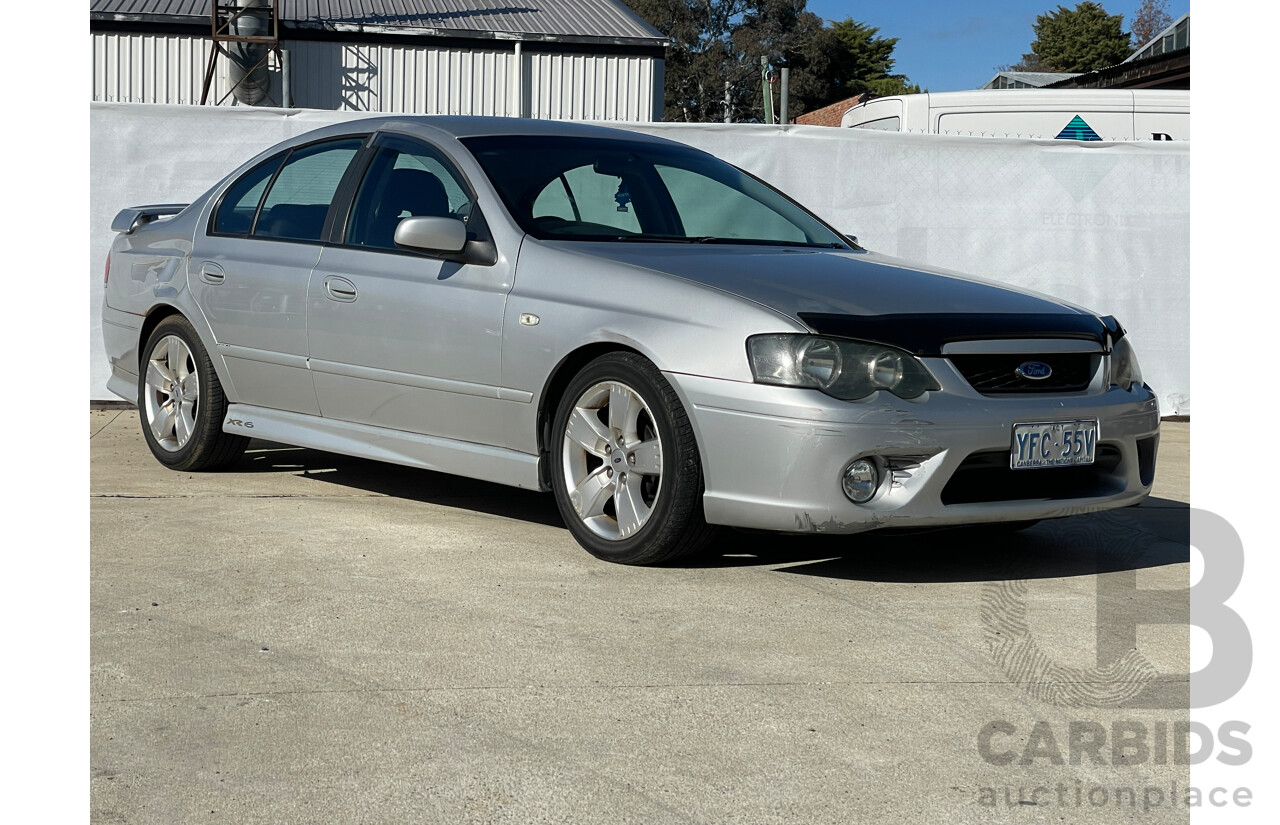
pixel 553 390
pixel 152 320
pixel 158 314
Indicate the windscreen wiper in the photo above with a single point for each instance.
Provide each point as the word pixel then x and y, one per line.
pixel 657 239
pixel 713 239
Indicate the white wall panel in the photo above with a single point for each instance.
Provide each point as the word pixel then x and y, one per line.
pixel 153 68
pixel 150 68
pixel 138 68
pixel 591 87
pixel 1105 225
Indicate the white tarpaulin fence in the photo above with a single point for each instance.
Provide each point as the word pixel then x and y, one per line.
pixel 1103 225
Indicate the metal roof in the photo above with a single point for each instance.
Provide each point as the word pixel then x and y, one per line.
pixel 1177 35
pixel 1030 79
pixel 577 20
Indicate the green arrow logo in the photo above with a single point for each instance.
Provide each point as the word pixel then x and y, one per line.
pixel 1077 129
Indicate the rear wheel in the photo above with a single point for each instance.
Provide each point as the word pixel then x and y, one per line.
pixel 181 402
pixel 625 466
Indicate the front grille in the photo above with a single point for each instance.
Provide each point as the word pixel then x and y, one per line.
pixel 986 476
pixel 997 374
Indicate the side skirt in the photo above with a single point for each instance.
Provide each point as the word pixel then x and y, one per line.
pixel 496 464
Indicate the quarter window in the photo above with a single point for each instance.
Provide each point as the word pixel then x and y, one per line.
pixel 240 204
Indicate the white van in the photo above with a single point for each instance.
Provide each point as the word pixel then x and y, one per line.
pixel 1065 114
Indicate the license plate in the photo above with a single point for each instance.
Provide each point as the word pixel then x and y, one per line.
pixel 1053 444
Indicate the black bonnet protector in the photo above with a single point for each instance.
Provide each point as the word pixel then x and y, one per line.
pixel 927 333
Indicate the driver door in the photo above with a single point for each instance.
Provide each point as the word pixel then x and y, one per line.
pixel 400 339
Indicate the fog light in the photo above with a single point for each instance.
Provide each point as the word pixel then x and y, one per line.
pixel 861 478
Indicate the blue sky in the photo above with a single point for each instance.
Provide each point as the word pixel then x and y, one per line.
pixel 947 46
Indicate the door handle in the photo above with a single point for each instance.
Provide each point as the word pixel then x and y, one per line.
pixel 339 289
pixel 211 273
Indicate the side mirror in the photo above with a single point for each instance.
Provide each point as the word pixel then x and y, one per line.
pixel 447 235
pixel 853 239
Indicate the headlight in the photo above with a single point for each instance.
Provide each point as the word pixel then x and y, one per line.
pixel 1125 372
pixel 847 370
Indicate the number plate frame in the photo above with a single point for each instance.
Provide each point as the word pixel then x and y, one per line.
pixel 1071 443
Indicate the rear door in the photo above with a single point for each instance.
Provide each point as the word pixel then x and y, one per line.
pixel 249 273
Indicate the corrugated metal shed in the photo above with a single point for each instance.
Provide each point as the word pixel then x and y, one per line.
pixel 571 20
pixel 572 59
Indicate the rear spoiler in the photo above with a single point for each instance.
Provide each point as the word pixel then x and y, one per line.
pixel 135 216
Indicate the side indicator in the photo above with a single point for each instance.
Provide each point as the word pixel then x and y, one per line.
pixel 528 319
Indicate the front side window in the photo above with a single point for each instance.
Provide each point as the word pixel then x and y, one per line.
pixel 607 189
pixel 298 199
pixel 405 179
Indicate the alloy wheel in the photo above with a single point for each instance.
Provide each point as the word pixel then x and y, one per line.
pixel 612 460
pixel 172 393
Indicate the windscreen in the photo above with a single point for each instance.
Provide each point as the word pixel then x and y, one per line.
pixel 605 189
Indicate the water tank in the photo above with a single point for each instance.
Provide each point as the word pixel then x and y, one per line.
pixel 250 84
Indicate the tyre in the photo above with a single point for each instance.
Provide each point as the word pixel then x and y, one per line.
pixel 181 404
pixel 625 466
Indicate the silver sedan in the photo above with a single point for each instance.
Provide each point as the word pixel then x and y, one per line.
pixel 660 339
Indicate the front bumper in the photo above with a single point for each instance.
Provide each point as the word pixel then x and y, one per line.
pixel 773 457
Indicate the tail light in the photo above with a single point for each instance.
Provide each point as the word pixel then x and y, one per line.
pixel 106 276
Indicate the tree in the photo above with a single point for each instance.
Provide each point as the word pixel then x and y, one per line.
pixel 698 59
pixel 864 62
pixel 1151 18
pixel 1030 62
pixel 714 42
pixel 1079 40
pixel 790 37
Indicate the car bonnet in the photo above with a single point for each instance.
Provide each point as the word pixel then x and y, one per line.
pixel 835 292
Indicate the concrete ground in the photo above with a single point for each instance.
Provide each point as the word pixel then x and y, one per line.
pixel 315 639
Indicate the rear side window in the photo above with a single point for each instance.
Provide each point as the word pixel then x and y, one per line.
pixel 240 204
pixel 299 198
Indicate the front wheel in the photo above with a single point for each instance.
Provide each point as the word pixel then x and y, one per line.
pixel 625 466
pixel 181 402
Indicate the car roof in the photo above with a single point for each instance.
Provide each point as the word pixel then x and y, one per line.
pixel 461 126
